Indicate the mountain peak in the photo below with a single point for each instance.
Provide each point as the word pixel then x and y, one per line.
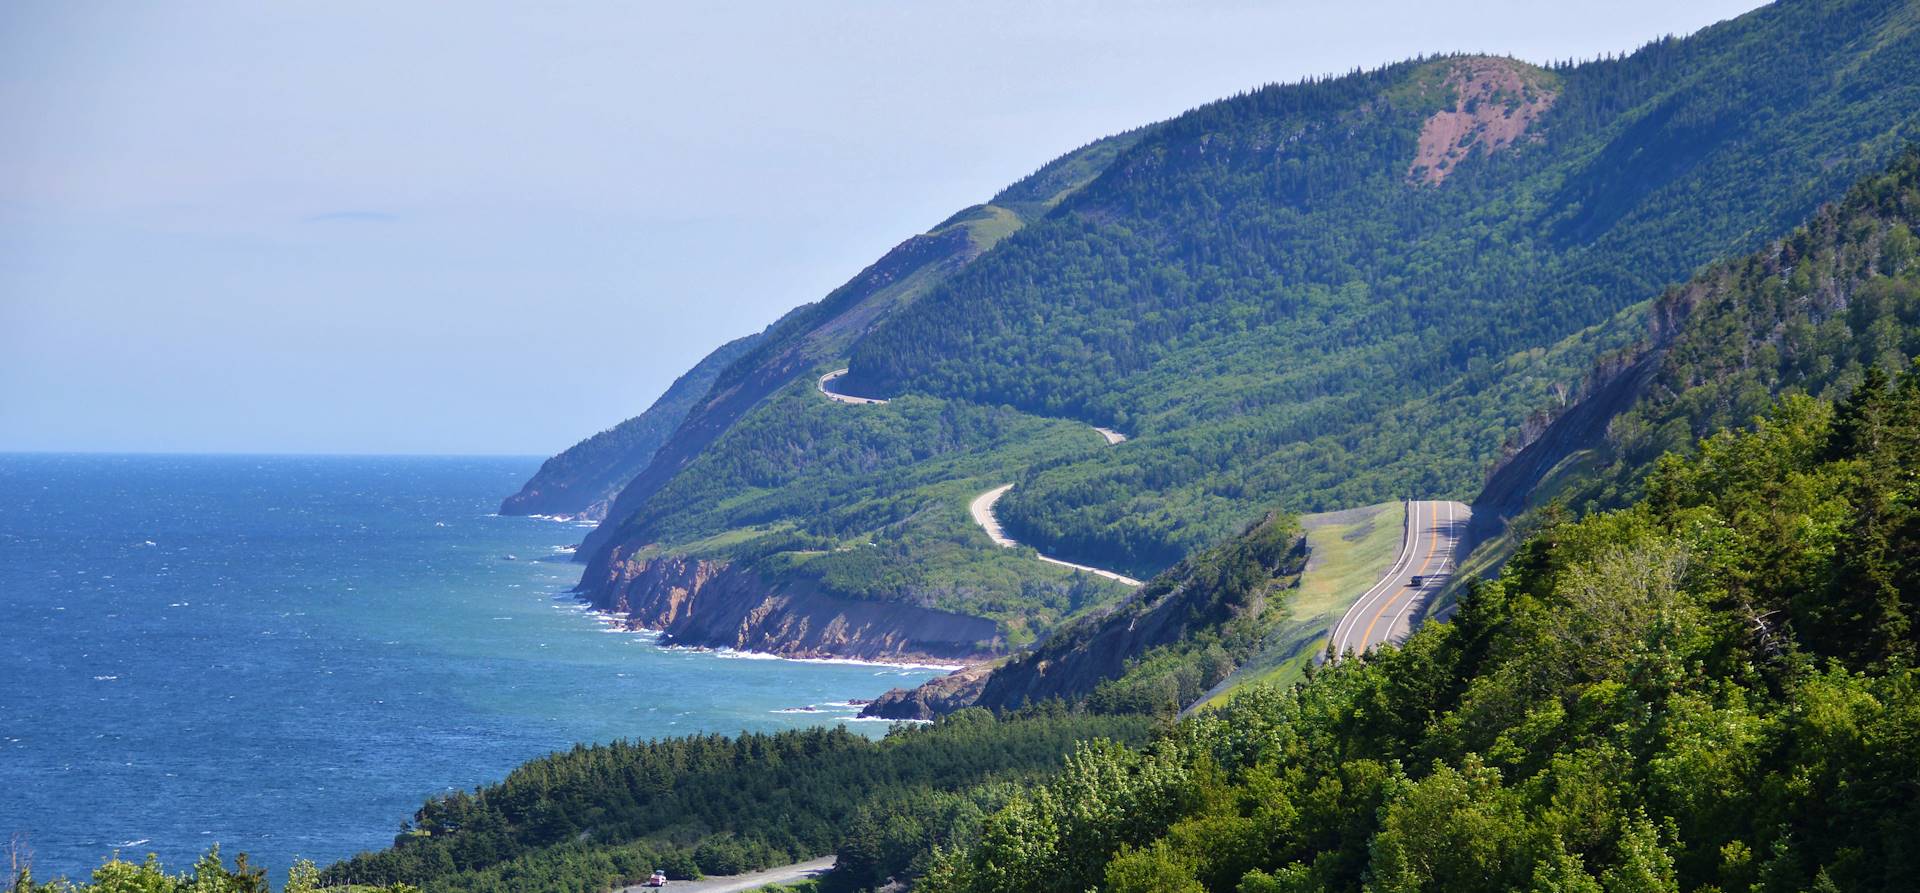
pixel 1495 101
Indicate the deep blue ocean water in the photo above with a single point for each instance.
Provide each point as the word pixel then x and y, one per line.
pixel 285 655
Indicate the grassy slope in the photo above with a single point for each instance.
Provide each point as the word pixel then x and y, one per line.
pixel 1348 552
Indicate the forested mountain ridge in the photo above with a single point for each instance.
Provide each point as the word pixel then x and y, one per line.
pixel 799 341
pixel 1258 290
pixel 1820 312
pixel 581 481
pixel 1283 301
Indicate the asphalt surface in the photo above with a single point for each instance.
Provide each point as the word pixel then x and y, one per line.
pixel 982 511
pixel 739 882
pixel 982 507
pixel 828 379
pixel 1388 611
pixel 825 384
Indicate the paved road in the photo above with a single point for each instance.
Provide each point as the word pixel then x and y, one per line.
pixel 1387 611
pixel 829 378
pixel 739 882
pixel 825 384
pixel 982 507
pixel 982 511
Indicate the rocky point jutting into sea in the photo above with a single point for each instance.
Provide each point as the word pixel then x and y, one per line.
pixel 702 603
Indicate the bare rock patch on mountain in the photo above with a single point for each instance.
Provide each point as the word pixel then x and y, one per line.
pixel 1495 103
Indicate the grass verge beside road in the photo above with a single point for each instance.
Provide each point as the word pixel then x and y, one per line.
pixel 1348 551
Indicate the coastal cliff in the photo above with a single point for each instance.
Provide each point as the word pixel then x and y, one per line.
pixel 934 698
pixel 713 604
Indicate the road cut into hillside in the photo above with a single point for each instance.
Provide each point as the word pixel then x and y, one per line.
pixel 1388 611
pixel 982 511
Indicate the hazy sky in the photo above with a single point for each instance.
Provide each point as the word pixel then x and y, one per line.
pixel 496 228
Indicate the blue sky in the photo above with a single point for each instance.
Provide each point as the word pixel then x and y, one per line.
pixel 486 228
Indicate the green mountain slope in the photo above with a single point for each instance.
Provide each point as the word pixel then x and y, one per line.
pixel 1259 290
pixel 1711 689
pixel 804 339
pixel 1817 312
pixel 807 512
pixel 584 479
pixel 1310 297
pixel 1811 313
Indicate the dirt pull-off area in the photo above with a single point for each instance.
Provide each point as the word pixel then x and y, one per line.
pixel 1495 101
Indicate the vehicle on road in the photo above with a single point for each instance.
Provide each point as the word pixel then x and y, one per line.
pixel 1419 581
pixel 659 879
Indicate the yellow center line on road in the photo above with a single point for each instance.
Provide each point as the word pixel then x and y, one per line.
pixel 1433 539
pixel 1343 638
pixel 1438 581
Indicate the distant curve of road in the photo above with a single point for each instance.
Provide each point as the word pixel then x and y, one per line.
pixel 825 386
pixel 982 511
pixel 1388 610
pixel 837 397
pixel 982 507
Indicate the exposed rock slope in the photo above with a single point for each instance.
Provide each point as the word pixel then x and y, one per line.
pixel 1495 103
pixel 717 605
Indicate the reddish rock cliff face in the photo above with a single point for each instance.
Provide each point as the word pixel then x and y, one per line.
pixel 1495 102
pixel 712 604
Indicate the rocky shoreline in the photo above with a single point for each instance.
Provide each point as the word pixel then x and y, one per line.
pixel 705 603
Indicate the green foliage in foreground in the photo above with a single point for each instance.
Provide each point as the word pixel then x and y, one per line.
pixel 1712 689
pixel 594 817
pixel 209 875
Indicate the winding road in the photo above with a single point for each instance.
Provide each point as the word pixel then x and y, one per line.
pixel 1388 610
pixel 825 385
pixel 982 511
pixel 833 376
pixel 1385 613
pixel 982 507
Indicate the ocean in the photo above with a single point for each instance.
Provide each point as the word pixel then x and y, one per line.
pixel 285 655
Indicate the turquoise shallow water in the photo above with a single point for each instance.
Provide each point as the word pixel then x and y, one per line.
pixel 284 655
